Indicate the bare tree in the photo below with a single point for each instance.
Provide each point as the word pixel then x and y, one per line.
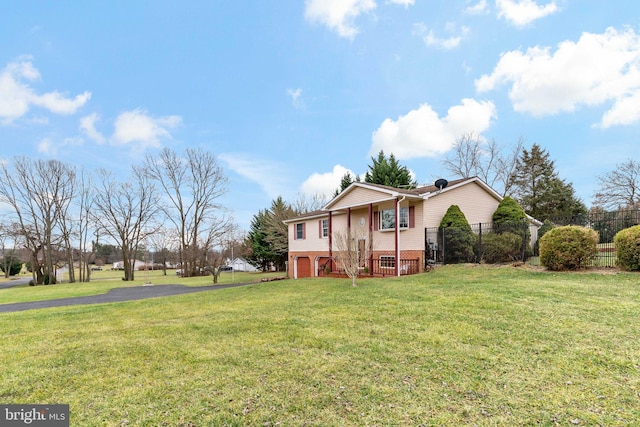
pixel 473 155
pixel 40 191
pixel 305 203
pixel 193 185
pixel 126 210
pixel 163 242
pixel 350 253
pixel 619 188
pixel 86 225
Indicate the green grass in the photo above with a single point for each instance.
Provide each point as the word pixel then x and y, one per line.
pixel 463 345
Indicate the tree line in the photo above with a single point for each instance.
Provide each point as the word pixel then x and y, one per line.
pixel 530 177
pixel 60 214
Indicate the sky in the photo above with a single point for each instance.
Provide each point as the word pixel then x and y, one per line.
pixel 290 95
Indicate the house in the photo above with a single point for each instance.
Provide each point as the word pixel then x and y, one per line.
pixel 388 223
pixel 137 265
pixel 241 264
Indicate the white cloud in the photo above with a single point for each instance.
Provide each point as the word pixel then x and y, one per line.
pixel 421 133
pixel 522 12
pixel 597 69
pixel 405 3
pixel 478 8
pixel 57 103
pixel 88 127
pixel 138 127
pixel 267 174
pixel 296 98
pixel 18 97
pixel 447 43
pixel 338 15
pixel 48 147
pixel 325 183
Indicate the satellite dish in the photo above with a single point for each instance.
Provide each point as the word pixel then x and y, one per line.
pixel 441 183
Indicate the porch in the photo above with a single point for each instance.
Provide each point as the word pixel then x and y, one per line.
pixel 380 267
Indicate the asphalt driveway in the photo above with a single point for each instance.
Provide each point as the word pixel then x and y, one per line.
pixel 116 295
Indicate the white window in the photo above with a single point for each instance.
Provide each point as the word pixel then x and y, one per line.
pixel 388 219
pixel 324 228
pixel 387 261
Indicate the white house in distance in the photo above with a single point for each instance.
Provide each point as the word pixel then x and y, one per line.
pixel 137 265
pixel 389 223
pixel 241 264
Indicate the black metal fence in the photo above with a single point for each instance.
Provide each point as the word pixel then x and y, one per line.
pixel 482 242
pixel 607 224
pixel 491 243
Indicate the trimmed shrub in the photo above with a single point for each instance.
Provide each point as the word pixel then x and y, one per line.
pixel 455 236
pixel 504 247
pixel 627 244
pixel 509 217
pixel 508 211
pixel 13 264
pixel 568 248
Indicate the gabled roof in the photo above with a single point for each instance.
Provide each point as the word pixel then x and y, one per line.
pixel 390 193
pixel 386 193
pixel 308 215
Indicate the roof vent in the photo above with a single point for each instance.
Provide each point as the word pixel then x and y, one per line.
pixel 441 183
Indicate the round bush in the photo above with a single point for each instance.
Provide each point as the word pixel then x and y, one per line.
pixel 568 248
pixel 627 244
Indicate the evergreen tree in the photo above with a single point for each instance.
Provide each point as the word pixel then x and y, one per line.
pixel 10 264
pixel 540 191
pixel 268 237
pixel 261 254
pixel 509 217
pixel 455 236
pixel 387 171
pixel 346 181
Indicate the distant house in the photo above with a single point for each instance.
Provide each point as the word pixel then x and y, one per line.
pixel 241 264
pixel 138 265
pixel 391 224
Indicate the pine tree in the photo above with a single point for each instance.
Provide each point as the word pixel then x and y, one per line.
pixel 261 253
pixel 268 237
pixel 539 190
pixel 346 181
pixel 387 171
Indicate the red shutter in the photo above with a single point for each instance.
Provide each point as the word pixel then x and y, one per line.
pixel 320 229
pixel 304 230
pixel 412 216
pixel 376 221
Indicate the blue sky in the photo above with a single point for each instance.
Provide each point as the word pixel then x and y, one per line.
pixel 292 94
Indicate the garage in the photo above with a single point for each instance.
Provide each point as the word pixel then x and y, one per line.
pixel 303 267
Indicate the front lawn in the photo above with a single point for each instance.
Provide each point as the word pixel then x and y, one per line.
pixel 462 345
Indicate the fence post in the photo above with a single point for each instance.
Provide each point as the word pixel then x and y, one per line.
pixel 444 252
pixel 479 243
pixel 524 238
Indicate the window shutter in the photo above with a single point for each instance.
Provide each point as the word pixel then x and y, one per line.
pixel 320 229
pixel 412 216
pixel 304 230
pixel 376 221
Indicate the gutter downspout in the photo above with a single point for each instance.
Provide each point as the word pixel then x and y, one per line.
pixel 398 201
